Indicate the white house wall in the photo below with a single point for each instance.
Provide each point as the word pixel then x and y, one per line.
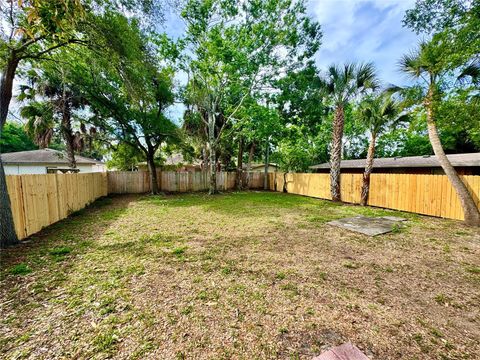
pixel 20 169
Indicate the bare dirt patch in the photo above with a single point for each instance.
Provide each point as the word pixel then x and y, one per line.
pixel 239 275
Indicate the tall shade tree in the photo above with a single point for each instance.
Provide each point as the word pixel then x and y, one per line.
pixel 30 30
pixel 236 49
pixel 340 85
pixel 378 113
pixel 427 65
pixel 258 127
pixel 127 90
pixel 456 22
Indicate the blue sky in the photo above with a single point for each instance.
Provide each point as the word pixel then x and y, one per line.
pixel 364 30
pixel 353 30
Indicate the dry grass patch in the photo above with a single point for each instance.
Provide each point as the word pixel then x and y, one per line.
pixel 239 275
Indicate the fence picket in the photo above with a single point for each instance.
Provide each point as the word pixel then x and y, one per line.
pixel 40 200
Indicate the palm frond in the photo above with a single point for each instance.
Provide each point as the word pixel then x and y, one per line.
pixel 410 64
pixel 470 72
pixel 366 76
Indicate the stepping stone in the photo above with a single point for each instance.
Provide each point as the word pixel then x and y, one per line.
pixel 370 226
pixel 347 351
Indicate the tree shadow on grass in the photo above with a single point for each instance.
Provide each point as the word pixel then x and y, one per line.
pixel 69 237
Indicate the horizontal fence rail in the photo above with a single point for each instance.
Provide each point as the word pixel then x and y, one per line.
pixel 43 199
pixel 40 200
pixel 138 182
pixel 423 194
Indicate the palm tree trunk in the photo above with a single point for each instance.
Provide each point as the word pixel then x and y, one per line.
pixel 8 235
pixel 470 210
pixel 368 170
pixel 336 153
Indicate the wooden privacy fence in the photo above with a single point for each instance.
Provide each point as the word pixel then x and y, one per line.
pixel 137 182
pixel 40 200
pixel 43 199
pixel 423 194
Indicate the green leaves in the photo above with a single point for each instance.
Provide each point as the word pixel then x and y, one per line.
pixel 453 24
pixel 14 138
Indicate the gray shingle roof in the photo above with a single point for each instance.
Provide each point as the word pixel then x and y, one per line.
pixel 43 156
pixel 467 160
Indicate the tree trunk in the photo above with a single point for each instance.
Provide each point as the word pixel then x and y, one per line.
pixel 470 210
pixel 249 164
pixel 368 170
pixel 212 189
pixel 67 129
pixel 265 178
pixel 239 179
pixel 152 169
pixel 8 235
pixel 285 182
pixel 205 158
pixel 336 153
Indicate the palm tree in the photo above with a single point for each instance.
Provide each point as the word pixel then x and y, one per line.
pixel 426 65
pixel 60 101
pixel 40 122
pixel 377 113
pixel 341 85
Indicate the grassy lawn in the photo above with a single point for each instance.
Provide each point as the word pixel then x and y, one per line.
pixel 240 275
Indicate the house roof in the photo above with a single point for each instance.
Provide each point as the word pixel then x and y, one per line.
pixel 43 156
pixel 256 166
pixel 426 161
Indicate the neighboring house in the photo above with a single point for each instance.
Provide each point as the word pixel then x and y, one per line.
pixel 261 167
pixel 46 161
pixel 465 164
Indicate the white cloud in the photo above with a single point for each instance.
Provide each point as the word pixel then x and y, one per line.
pixel 364 30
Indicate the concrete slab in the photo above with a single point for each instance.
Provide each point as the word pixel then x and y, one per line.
pixel 347 351
pixel 370 226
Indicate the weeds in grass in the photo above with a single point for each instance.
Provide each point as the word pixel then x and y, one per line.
pixel 20 269
pixel 182 273
pixel 290 288
pixel 442 299
pixel 473 269
pixel 351 265
pixel 187 310
pixel 61 251
pixel 106 341
pixel 179 251
pixel 227 270
pixel 397 228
